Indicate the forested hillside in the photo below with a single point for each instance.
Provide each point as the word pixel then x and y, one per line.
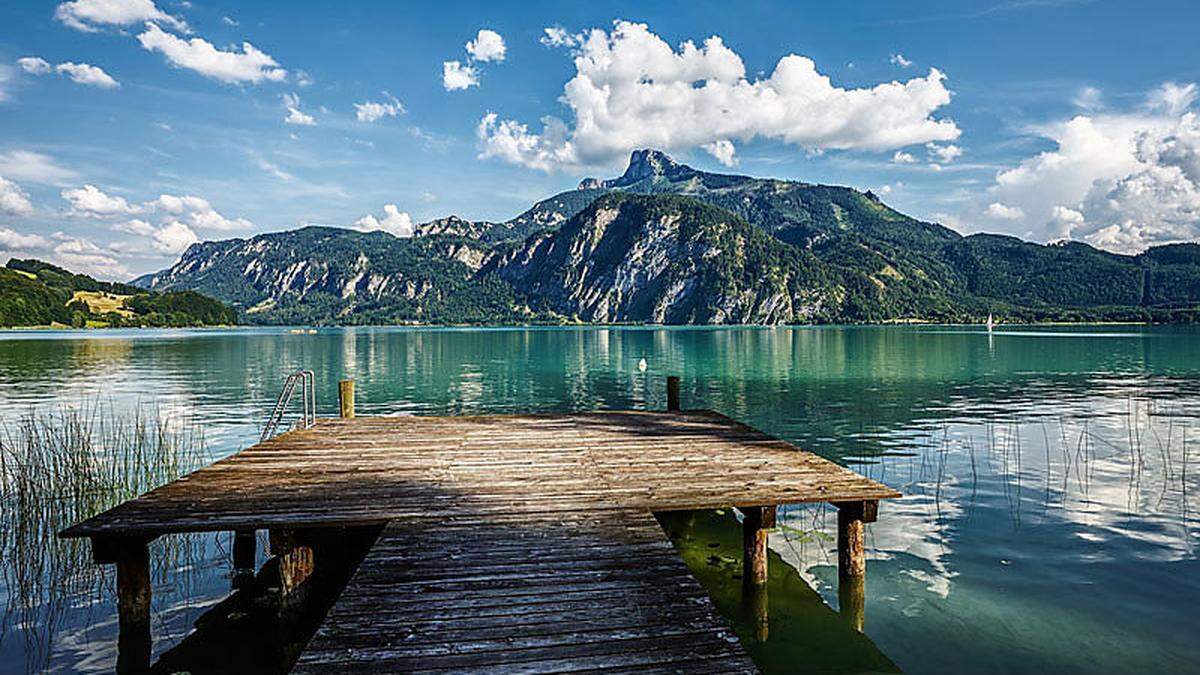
pixel 36 293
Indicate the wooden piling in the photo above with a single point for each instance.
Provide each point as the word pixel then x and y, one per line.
pixel 673 393
pixel 132 557
pixel 244 557
pixel 758 610
pixel 296 561
pixel 852 601
pixel 346 398
pixel 756 521
pixel 852 555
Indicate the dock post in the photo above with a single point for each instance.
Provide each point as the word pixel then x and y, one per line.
pixel 756 521
pixel 244 553
pixel 673 393
pixel 296 563
pixel 346 398
pixel 132 557
pixel 852 558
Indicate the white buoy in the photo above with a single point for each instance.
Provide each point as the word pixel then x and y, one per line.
pixel 642 365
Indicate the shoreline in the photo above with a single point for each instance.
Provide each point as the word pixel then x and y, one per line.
pixel 307 329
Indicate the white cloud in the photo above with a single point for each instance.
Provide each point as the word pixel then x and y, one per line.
pixel 80 73
pixel 298 118
pixel 135 226
pixel 944 154
pixel 93 202
pixel 488 45
pixel 34 65
pixel 13 200
pixel 898 59
pixel 228 21
pixel 1122 181
pixel 33 167
pixel 901 157
pixel 17 241
pixel 1066 219
pixel 456 76
pixel 723 151
pixel 81 255
pixel 372 111
pixel 92 15
pixel 6 77
pixel 231 67
pixel 394 221
pixel 632 89
pixel 1172 99
pixel 1004 212
pixel 83 73
pixel 173 238
pixel 295 115
pixel 272 168
pixel 557 36
pixel 1088 98
pixel 195 212
pixel 511 141
pixel 1158 203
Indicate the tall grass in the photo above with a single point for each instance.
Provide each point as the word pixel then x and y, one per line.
pixel 61 465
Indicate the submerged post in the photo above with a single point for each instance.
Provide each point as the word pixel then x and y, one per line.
pixel 346 398
pixel 756 521
pixel 673 393
pixel 852 557
pixel 132 557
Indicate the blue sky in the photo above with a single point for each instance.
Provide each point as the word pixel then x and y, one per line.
pixel 129 128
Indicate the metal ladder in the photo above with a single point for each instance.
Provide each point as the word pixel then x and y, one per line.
pixel 308 392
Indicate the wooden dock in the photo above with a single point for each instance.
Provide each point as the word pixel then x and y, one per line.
pixel 510 543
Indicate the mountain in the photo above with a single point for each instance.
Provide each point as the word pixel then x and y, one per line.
pixel 666 243
pixel 668 260
pixel 36 293
pixel 335 275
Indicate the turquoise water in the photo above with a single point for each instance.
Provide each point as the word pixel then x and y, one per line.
pixel 1047 472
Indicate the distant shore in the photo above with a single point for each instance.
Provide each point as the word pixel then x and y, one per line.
pixel 309 329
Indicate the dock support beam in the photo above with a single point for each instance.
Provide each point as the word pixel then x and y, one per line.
pixel 346 398
pixel 852 558
pixel 673 393
pixel 756 521
pixel 245 546
pixel 132 557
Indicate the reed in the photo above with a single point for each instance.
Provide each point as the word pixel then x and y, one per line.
pixel 60 465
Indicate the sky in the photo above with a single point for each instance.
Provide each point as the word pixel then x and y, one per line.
pixel 130 129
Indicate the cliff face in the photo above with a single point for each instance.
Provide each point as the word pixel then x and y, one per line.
pixel 323 274
pixel 665 260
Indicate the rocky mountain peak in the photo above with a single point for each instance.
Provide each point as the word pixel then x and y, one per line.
pixel 649 164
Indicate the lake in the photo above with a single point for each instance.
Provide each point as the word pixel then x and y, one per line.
pixel 1047 472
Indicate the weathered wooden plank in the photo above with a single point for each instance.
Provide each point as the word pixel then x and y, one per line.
pixel 585 593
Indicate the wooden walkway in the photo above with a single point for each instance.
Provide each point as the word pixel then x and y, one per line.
pixel 522 542
pixel 549 594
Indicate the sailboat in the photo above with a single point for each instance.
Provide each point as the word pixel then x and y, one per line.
pixel 990 322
